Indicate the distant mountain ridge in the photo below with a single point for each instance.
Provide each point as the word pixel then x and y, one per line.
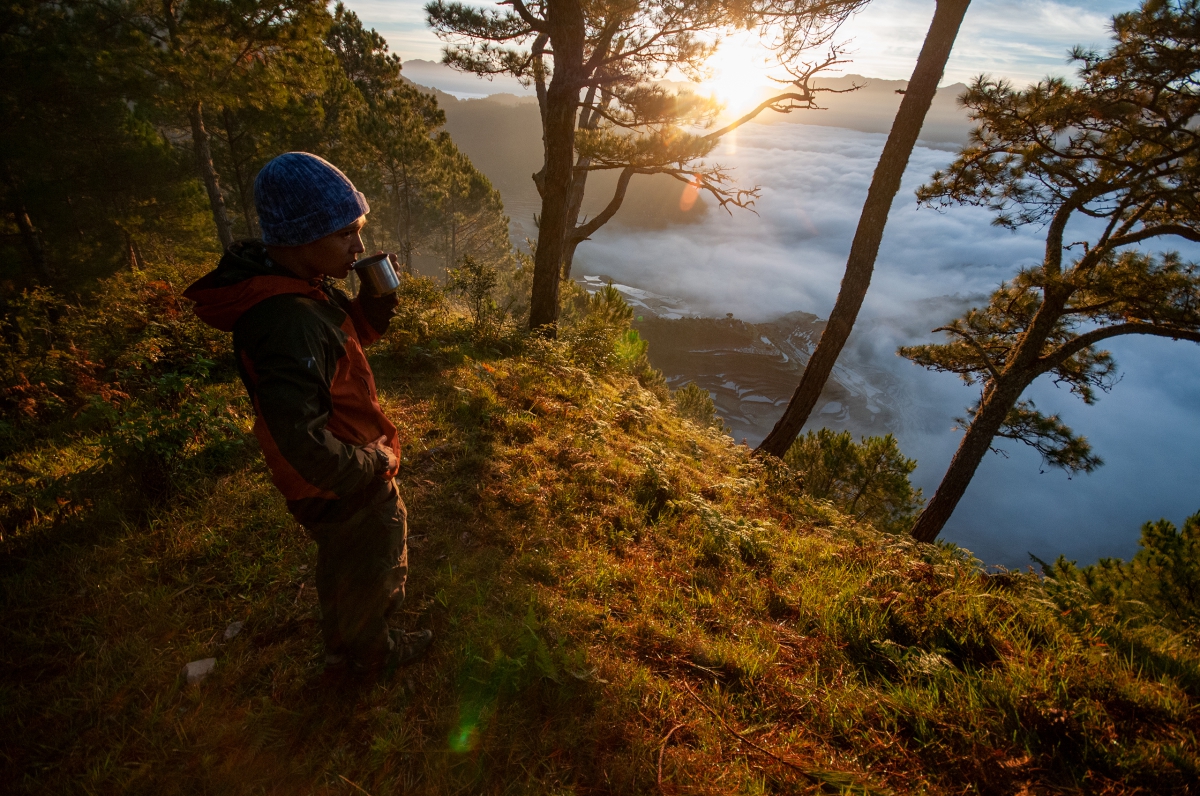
pixel 498 127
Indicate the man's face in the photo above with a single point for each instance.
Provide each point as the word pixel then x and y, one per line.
pixel 333 254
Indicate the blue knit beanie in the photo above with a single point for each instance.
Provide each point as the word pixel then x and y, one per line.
pixel 301 197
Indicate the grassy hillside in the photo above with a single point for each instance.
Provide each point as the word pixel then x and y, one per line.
pixel 623 602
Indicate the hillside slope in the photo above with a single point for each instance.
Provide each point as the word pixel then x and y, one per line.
pixel 623 602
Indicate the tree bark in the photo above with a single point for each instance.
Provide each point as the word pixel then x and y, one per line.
pixel 589 119
pixel 884 184
pixel 29 234
pixel 579 183
pixel 132 253
pixel 208 173
pixel 971 450
pixel 244 191
pixel 566 24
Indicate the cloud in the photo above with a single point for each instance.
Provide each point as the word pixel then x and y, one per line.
pixel 791 254
pixel 1023 40
pixel 931 265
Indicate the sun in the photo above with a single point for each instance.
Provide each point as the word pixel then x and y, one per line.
pixel 740 72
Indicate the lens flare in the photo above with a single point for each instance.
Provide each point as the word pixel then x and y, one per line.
pixel 463 738
pixel 691 192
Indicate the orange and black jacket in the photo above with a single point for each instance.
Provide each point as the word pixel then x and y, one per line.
pixel 299 348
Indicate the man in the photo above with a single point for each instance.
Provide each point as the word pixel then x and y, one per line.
pixel 332 453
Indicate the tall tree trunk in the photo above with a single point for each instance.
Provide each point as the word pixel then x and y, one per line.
pixel 566 23
pixel 1000 395
pixel 569 256
pixel 208 173
pixel 132 253
pixel 975 444
pixel 589 119
pixel 917 98
pixel 29 234
pixel 244 191
pixel 572 242
pixel 405 196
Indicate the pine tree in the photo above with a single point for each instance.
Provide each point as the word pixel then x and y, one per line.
pixel 399 132
pixel 601 107
pixel 867 480
pixel 1122 148
pixel 86 179
pixel 220 54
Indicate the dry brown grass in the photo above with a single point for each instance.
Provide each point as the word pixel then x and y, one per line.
pixel 620 599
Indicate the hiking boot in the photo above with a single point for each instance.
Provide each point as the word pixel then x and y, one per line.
pixel 403 649
pixel 407 647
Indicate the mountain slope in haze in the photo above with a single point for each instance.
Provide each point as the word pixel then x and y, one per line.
pixel 502 136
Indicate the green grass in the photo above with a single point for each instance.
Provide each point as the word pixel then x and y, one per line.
pixel 603 579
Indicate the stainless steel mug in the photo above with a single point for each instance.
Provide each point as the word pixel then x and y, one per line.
pixel 377 275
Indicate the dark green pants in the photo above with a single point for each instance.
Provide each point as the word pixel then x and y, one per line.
pixel 362 565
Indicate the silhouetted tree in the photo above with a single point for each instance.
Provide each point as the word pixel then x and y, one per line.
pixel 600 106
pixel 399 130
pixel 470 214
pixel 1121 149
pixel 863 250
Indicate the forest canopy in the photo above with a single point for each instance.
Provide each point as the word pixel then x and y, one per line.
pixel 143 127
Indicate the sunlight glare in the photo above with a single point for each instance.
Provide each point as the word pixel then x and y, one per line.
pixel 740 70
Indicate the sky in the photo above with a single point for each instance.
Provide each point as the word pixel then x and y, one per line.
pixel 1023 40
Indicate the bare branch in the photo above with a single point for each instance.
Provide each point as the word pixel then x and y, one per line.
pixel 584 231
pixel 537 52
pixel 774 103
pixel 1187 233
pixel 525 14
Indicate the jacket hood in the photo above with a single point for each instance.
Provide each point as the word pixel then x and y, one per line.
pixel 242 279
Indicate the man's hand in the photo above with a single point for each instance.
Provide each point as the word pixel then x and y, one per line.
pixel 387 300
pixel 384 456
pixel 380 309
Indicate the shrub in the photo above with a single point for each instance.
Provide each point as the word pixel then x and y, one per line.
pixel 475 281
pixel 603 320
pixel 175 422
pixel 695 404
pixel 125 381
pixel 598 336
pixel 868 481
pixel 1162 582
pixel 422 304
pixel 516 288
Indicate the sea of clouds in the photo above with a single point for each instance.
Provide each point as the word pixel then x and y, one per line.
pixel 791 255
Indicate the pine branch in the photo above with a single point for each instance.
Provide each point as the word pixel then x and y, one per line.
pixel 971 341
pixel 1064 352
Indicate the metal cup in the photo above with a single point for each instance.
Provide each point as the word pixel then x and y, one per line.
pixel 377 274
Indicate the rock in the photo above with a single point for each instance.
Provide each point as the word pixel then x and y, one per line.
pixel 198 670
pixel 233 629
